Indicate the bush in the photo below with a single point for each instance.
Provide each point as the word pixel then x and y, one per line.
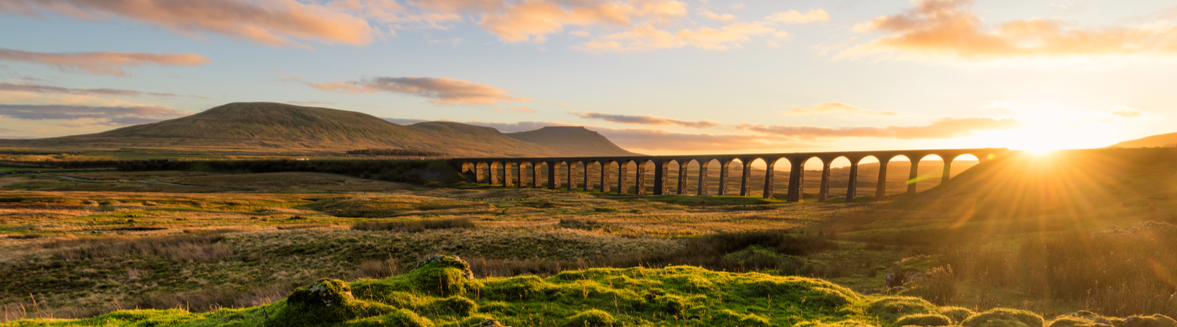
pixel 937 285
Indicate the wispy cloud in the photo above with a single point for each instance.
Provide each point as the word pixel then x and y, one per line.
pixel 796 17
pixel 650 37
pixel 646 120
pixel 102 63
pixel 39 88
pixel 950 28
pixel 104 115
pixel 834 107
pixel 440 90
pixel 276 23
pixel 940 129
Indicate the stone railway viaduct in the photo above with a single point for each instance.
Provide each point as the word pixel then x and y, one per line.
pixel 525 172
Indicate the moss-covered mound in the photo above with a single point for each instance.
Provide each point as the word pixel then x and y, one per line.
pixel 441 292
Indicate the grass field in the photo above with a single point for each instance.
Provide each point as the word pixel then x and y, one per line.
pixel 211 255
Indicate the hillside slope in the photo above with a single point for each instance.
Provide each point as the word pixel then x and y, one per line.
pixel 275 127
pixel 1162 140
pixel 572 137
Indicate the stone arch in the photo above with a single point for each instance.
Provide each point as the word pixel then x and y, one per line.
pixel 467 171
pixel 685 185
pixel 752 183
pixel 540 173
pixel 607 169
pixel 482 170
pixel 555 174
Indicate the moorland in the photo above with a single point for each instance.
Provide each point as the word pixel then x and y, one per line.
pixel 1070 238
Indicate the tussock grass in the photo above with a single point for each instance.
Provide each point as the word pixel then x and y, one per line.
pixel 414 226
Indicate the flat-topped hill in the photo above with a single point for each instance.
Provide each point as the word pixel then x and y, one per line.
pixel 573 137
pixel 276 127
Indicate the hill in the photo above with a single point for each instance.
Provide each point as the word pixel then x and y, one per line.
pixel 1162 140
pixel 571 137
pixel 275 127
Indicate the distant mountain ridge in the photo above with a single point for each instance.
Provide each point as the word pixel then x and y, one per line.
pixel 277 127
pixel 1161 140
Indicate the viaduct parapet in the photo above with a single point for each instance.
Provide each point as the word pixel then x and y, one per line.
pixel 525 172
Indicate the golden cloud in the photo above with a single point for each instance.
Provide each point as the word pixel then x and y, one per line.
pixel 441 91
pixel 646 120
pixel 531 20
pixel 647 37
pixel 796 17
pixel 273 22
pixel 102 63
pixel 951 28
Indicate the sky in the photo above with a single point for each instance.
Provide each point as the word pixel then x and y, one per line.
pixel 655 76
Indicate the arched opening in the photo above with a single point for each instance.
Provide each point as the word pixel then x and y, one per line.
pixel 592 171
pixel 734 169
pixel 928 172
pixel 689 177
pixel 868 177
pixel 483 172
pixel 810 174
pixel 557 178
pixel 777 180
pixel 644 177
pixel 839 178
pixel 541 174
pixel 753 177
pixel 961 163
pixel 895 178
pixel 711 169
pixel 670 176
pixel 609 173
pixel 579 172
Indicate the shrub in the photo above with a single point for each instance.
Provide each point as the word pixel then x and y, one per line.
pixel 937 285
pixel 892 307
pixel 325 301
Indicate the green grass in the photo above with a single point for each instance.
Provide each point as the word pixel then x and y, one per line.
pixel 442 292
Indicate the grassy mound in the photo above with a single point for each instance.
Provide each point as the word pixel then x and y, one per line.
pixel 442 292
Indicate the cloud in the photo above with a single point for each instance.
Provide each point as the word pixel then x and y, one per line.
pixel 648 37
pixel 646 120
pixel 102 63
pixel 1129 112
pixel 516 110
pixel 950 28
pixel 37 88
pixel 940 129
pixel 274 22
pixel 105 115
pixel 834 107
pixel 530 20
pixel 796 17
pixel 722 18
pixel 440 90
